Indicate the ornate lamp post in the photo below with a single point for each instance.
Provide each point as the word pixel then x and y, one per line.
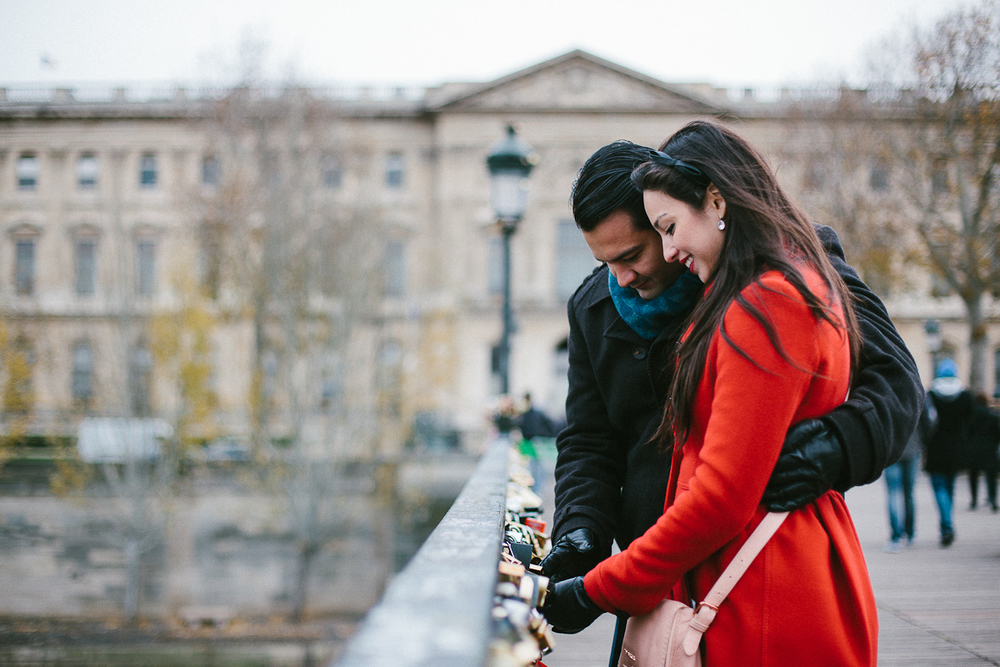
pixel 510 161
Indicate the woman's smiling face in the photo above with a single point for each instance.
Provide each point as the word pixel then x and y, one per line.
pixel 689 235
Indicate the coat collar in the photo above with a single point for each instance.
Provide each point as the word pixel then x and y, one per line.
pixel 595 293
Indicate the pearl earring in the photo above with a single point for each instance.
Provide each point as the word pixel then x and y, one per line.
pixel 722 224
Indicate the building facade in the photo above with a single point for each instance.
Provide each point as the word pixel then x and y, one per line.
pixel 104 201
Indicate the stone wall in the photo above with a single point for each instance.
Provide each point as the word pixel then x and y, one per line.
pixel 223 551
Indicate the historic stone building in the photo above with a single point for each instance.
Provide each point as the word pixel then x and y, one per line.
pixel 96 211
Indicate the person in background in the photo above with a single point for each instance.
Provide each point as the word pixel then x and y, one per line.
pixel 984 438
pixel 505 416
pixel 534 424
pixel 946 449
pixel 900 479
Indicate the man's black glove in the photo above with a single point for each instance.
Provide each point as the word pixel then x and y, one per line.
pixel 568 607
pixel 573 554
pixel 812 462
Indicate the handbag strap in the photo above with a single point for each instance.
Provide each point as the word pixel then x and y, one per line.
pixel 705 612
pixel 747 553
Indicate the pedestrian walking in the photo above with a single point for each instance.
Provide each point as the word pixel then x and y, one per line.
pixel 900 479
pixel 945 450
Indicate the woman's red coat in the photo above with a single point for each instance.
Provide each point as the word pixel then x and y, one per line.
pixel 807 598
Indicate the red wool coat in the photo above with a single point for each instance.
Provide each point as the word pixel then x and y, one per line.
pixel 807 598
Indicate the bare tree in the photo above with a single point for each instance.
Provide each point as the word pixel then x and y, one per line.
pixel 132 441
pixel 303 269
pixel 930 123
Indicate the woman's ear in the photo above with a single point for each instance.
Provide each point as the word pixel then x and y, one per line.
pixel 714 201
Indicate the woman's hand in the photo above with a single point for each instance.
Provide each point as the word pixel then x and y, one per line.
pixel 568 607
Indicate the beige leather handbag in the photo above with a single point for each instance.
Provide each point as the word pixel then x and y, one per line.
pixel 670 635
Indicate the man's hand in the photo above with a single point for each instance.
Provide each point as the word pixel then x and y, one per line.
pixel 812 461
pixel 573 554
pixel 568 607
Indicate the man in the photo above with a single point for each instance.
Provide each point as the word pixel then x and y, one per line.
pixel 533 422
pixel 946 449
pixel 625 320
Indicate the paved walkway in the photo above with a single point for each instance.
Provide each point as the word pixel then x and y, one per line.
pixel 936 606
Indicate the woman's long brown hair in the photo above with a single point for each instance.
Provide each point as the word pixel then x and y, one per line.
pixel 765 231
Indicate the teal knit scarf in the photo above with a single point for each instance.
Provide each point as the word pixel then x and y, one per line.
pixel 649 318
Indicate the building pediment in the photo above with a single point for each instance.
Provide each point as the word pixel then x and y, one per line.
pixel 577 81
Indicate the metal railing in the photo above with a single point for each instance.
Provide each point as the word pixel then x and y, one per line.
pixel 437 611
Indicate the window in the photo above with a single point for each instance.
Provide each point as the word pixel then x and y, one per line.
pixel 24 267
pixel 211 171
pixel 86 172
pixel 560 378
pixel 269 370
pixel 140 380
pixel 271 168
pixel 82 384
pixel 145 260
pixel 940 287
pixel 574 261
pixel 996 373
pixel 878 177
pixel 330 172
pixel 147 171
pixel 210 258
pixel 939 176
pixel 394 269
pixel 394 171
pixel 86 266
pixel 878 277
pixel 389 377
pixel 331 388
pixel 815 176
pixel 27 172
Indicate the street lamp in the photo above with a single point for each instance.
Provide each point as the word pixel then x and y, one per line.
pixel 510 161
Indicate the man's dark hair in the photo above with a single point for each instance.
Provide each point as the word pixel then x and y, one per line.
pixel 604 186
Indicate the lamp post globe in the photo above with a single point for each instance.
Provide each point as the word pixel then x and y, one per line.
pixel 510 161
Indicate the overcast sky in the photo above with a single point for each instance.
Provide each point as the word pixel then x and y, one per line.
pixel 732 43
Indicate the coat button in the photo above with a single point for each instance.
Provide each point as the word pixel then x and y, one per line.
pixel 639 353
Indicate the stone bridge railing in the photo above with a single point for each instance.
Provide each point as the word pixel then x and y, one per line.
pixel 443 609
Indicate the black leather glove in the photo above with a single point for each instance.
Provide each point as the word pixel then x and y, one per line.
pixel 812 462
pixel 568 607
pixel 573 554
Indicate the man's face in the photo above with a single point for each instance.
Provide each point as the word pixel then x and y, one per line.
pixel 634 256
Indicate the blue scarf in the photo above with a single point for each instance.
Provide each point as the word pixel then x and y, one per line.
pixel 649 318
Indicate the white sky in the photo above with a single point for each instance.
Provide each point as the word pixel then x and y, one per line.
pixel 732 43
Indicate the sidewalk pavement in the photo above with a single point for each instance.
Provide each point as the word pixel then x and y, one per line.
pixel 937 606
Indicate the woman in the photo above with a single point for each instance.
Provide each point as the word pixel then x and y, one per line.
pixel 771 343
